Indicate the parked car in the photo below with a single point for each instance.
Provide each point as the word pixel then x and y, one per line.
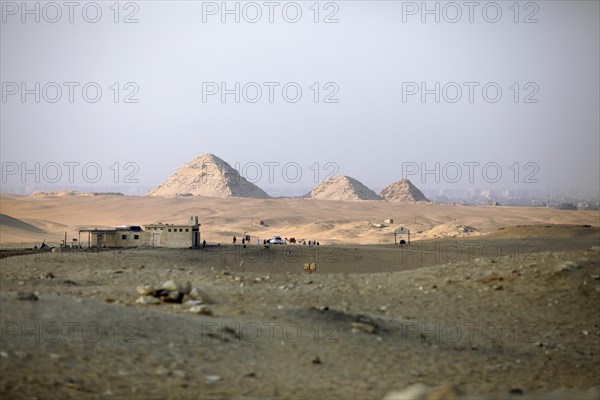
pixel 276 240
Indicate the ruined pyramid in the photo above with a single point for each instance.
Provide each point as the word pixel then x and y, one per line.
pixel 404 191
pixel 342 188
pixel 208 175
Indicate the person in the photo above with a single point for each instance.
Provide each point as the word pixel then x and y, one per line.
pixel 204 243
pixel 234 239
pixel 244 241
pixel 257 242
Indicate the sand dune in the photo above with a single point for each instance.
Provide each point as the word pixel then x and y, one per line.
pixel 16 230
pixel 327 221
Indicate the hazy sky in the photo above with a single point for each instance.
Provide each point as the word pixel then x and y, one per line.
pixel 375 61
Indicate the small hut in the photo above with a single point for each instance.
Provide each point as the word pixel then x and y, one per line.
pixel 401 232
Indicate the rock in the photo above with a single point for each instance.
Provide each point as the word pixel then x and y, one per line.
pixel 419 391
pixel 26 296
pixel 200 295
pixel 316 360
pixel 146 290
pixel 49 275
pixel 515 391
pixel 444 392
pixel 147 300
pixel 186 288
pixel 361 326
pixel 498 287
pixel 179 373
pixel 201 310
pixel 171 286
pixel 213 378
pixel 171 297
pixel 568 266
pixel 413 392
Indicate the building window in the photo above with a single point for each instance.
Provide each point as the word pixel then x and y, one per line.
pixel 180 229
pixel 187 229
pixel 124 237
pixel 169 229
pixel 136 237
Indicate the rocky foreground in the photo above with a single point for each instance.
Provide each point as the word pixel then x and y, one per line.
pixel 175 324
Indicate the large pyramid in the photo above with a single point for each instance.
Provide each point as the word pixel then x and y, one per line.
pixel 208 175
pixel 403 190
pixel 342 188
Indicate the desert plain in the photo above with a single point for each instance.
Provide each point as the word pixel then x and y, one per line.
pixel 486 302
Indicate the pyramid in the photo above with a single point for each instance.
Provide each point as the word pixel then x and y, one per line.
pixel 342 188
pixel 404 191
pixel 208 175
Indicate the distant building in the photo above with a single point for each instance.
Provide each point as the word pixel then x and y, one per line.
pixel 121 236
pixel 175 236
pixel 156 235
pixel 388 221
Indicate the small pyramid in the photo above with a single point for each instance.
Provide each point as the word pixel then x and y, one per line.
pixel 208 175
pixel 404 191
pixel 342 188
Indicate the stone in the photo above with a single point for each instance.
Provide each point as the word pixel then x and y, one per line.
pixel 186 288
pixel 179 373
pixel 419 391
pixel 413 392
pixel 316 360
pixel 361 326
pixel 204 310
pixel 146 290
pixel 444 392
pixel 171 297
pixel 200 295
pixel 213 378
pixel 171 286
pixel 147 300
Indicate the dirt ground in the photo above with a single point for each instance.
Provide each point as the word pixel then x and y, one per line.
pixel 512 314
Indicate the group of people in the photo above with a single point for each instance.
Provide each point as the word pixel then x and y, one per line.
pixel 304 243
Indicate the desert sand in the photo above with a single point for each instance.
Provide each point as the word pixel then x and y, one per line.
pixel 487 302
pixel 326 221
